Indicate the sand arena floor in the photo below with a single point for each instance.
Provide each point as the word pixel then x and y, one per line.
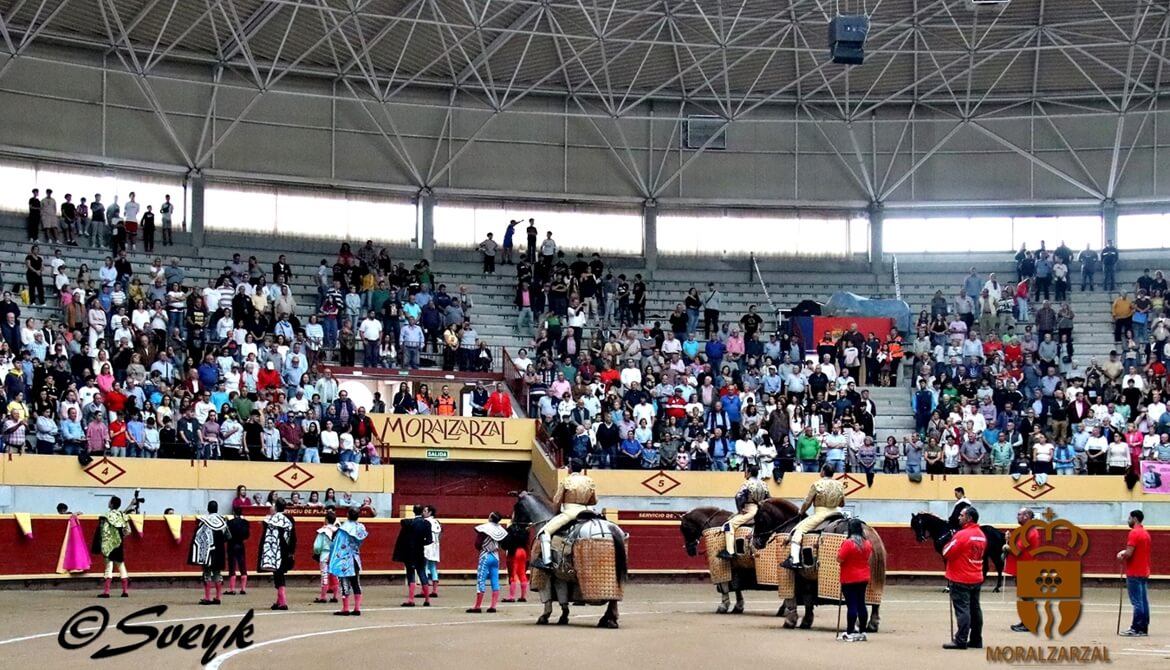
pixel 662 626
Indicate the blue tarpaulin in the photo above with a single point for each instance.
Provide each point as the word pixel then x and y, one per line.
pixel 844 303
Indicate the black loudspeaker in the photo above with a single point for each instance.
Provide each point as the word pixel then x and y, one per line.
pixel 847 39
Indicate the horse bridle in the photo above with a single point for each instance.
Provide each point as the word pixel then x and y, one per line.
pixel 783 526
pixel 702 525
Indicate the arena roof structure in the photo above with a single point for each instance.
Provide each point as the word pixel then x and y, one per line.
pixel 958 101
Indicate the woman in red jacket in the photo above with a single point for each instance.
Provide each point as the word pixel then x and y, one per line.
pixel 854 556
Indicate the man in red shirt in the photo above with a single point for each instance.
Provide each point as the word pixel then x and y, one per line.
pixel 498 404
pixel 1136 557
pixel 676 406
pixel 118 437
pixel 964 557
pixel 1025 545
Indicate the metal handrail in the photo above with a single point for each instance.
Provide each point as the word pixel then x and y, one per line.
pixel 897 280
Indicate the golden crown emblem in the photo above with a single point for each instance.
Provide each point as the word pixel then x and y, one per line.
pixel 1073 541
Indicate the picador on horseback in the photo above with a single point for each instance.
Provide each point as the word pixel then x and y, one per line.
pixel 574 495
pixel 825 496
pixel 747 501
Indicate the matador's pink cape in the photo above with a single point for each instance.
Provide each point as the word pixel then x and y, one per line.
pixel 74 549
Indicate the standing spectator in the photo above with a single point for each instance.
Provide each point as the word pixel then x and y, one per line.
pixel 68 219
pixel 712 304
pixel 509 234
pixel 1060 280
pixel 97 228
pixel 49 216
pixel 33 225
pixel 411 341
pixel 371 332
pixel 488 248
pixel 166 211
pixel 1122 312
pixel 1109 264
pixel 1043 276
pixel 531 233
pixel 548 254
pixel 130 216
pixel 638 301
pixel 34 268
pixel 498 403
pixel 965 307
pixel 148 230
pixel 1136 557
pixel 964 561
pixel 973 283
pixel 1088 260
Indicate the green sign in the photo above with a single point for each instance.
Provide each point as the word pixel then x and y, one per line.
pixel 437 453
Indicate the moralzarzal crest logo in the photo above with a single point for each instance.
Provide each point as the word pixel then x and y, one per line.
pixel 1052 577
pixel 1048 590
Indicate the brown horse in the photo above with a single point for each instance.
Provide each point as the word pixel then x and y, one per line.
pixel 780 516
pixel 535 511
pixel 692 525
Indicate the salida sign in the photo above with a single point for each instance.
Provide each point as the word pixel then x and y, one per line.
pixel 453 432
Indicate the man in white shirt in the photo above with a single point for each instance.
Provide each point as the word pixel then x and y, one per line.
pixel 130 209
pixel 298 403
pixel 203 407
pixel 108 274
pixel 1156 408
pixel 671 345
pixel 327 387
pixel 522 361
pixel 548 250
pixel 371 331
pixel 631 374
pixel 232 435
pixel 644 410
pixel 1139 382
pixel 488 248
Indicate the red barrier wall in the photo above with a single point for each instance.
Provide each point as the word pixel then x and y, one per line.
pixel 653 547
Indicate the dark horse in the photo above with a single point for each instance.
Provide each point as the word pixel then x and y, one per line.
pixel 535 511
pixel 928 526
pixel 692 525
pixel 780 516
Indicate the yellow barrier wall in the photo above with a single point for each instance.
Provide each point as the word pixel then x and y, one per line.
pixel 456 438
pixel 662 484
pixel 149 473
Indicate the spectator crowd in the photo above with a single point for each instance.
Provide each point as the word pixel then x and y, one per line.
pixel 142 362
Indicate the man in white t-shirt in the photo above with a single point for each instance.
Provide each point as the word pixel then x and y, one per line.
pixel 203 407
pixel 631 374
pixel 298 403
pixel 1156 408
pixel 548 252
pixel 644 410
pixel 522 361
pixel 371 332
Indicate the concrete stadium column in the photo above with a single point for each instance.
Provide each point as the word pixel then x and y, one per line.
pixel 426 223
pixel 650 235
pixel 877 217
pixel 1109 219
pixel 195 188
